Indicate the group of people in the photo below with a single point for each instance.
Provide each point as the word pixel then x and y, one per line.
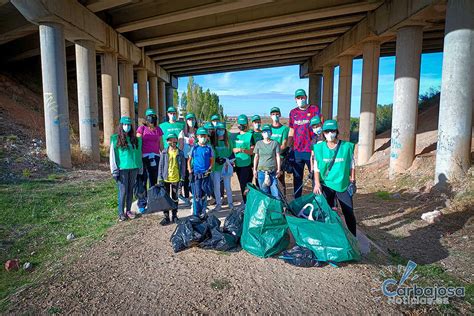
pixel 187 159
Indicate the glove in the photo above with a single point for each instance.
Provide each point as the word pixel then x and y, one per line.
pixel 352 188
pixel 220 160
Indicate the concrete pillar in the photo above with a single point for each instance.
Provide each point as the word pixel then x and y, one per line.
pixel 162 100
pixel 328 91
pixel 55 98
pixel 127 106
pixel 368 102
pixel 169 96
pixel 87 99
pixel 315 89
pixel 110 96
pixel 457 93
pixel 344 98
pixel 153 83
pixel 142 87
pixel 405 98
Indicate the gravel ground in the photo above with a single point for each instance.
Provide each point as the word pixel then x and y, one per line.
pixel 134 270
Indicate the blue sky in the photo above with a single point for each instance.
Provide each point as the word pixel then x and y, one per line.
pixel 256 91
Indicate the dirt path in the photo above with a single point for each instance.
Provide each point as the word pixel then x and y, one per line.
pixel 134 270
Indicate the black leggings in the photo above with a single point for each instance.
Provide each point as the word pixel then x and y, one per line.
pixel 345 201
pixel 172 190
pixel 186 184
pixel 245 175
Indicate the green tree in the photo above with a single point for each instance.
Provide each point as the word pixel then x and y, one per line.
pixel 175 98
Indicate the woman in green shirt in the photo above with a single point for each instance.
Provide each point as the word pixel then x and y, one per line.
pixel 222 153
pixel 334 172
pixel 243 144
pixel 125 164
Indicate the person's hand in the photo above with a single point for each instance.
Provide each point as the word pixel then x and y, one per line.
pixel 190 170
pixel 317 188
pixel 255 173
pixel 278 173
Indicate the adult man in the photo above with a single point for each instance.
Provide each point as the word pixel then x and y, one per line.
pixel 299 137
pixel 171 125
pixel 280 135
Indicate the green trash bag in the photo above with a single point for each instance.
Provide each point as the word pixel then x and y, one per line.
pixel 327 236
pixel 264 231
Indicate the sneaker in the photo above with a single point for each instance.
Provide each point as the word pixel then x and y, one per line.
pixel 175 219
pixel 211 201
pixel 122 218
pixel 141 210
pixel 217 208
pixel 224 201
pixel 165 221
pixel 130 215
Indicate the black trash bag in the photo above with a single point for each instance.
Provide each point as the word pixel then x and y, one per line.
pixel 301 257
pixel 201 229
pixel 182 237
pixel 219 241
pixel 233 223
pixel 159 200
pixel 213 222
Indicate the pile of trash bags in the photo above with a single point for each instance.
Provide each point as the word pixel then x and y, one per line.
pixel 207 233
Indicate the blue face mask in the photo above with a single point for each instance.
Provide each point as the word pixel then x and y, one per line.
pixel 126 128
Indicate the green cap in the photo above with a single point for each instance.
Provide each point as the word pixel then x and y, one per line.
pixel 330 125
pixel 267 127
pixel 126 120
pixel 190 116
pixel 215 117
pixel 256 118
pixel 300 93
pixel 202 131
pixel 150 111
pixel 242 119
pixel 171 109
pixel 171 135
pixel 220 125
pixel 275 109
pixel 209 126
pixel 315 121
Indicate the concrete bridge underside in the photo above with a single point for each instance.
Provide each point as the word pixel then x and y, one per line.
pixel 154 42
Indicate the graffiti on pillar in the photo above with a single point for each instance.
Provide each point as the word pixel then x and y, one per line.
pixel 395 145
pixel 89 121
pixel 53 109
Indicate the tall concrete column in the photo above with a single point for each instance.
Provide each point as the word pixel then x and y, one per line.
pixel 368 102
pixel 162 99
pixel 457 93
pixel 169 96
pixel 315 89
pixel 87 99
pixel 344 96
pixel 405 98
pixel 328 91
pixel 153 83
pixel 142 92
pixel 127 106
pixel 110 96
pixel 55 98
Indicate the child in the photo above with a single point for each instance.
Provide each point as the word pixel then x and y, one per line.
pixel 317 137
pixel 125 163
pixel 171 172
pixel 223 150
pixel 187 139
pixel 267 162
pixel 200 164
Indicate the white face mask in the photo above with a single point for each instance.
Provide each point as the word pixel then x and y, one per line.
pixel 256 125
pixel 172 117
pixel 275 118
pixel 266 135
pixel 317 130
pixel 202 140
pixel 190 123
pixel 126 128
pixel 301 103
pixel 214 123
pixel 330 136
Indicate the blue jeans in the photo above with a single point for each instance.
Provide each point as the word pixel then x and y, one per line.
pixel 201 188
pixel 273 188
pixel 301 159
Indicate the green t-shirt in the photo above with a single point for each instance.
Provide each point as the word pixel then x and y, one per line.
pixel 266 155
pixel 257 136
pixel 339 177
pixel 127 158
pixel 279 134
pixel 169 128
pixel 243 141
pixel 223 151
